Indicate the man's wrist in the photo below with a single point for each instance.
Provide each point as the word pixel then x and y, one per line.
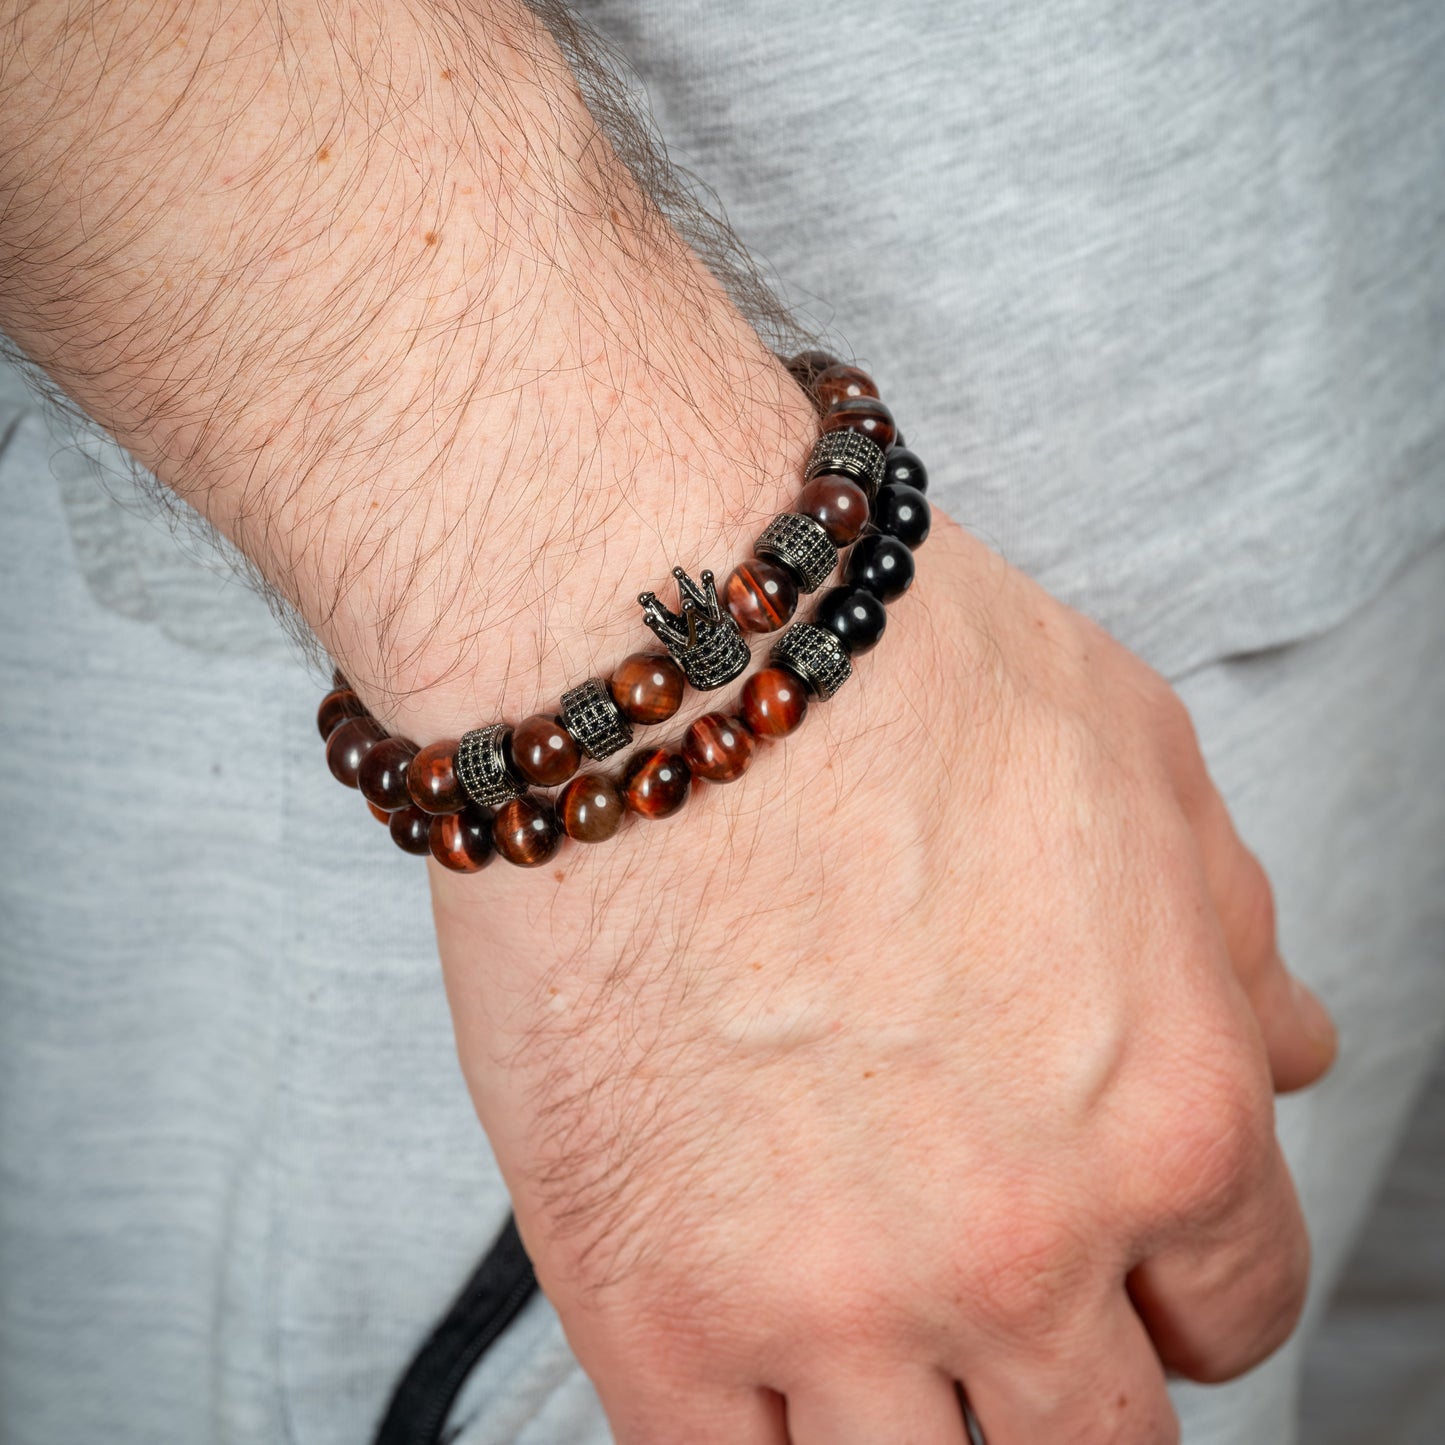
pixel 390 315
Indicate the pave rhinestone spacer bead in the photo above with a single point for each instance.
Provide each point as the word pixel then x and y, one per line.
pixel 848 454
pixel 482 766
pixel 803 545
pixel 815 655
pixel 591 716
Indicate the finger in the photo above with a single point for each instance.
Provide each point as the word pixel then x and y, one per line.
pixel 1221 1300
pixel 699 1416
pixel 908 1407
pixel 1299 1034
pixel 1104 1384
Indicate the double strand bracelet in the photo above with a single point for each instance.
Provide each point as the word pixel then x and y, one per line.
pixel 464 800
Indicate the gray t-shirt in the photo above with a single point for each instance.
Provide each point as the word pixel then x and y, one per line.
pixel 1158 294
pixel 1157 291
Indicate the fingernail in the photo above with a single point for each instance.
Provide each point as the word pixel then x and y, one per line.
pixel 1314 1017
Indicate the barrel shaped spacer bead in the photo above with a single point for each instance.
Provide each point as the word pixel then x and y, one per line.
pixel 594 719
pixel 482 766
pixel 848 454
pixel 815 655
pixel 802 545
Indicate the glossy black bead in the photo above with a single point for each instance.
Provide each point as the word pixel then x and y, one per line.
pixel 854 616
pixel 882 565
pixel 902 511
pixel 902 465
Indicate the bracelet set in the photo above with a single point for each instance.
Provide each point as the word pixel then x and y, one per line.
pixel 464 800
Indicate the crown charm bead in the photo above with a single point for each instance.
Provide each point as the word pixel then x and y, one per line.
pixel 815 655
pixel 801 544
pixel 482 766
pixel 848 454
pixel 703 638
pixel 594 719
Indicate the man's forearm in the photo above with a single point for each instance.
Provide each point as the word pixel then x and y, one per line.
pixel 370 289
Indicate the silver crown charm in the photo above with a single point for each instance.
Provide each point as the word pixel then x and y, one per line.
pixel 703 638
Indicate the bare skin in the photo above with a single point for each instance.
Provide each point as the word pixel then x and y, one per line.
pixel 939 1048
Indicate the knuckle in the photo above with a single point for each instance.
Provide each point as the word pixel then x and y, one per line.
pixel 1216 1154
pixel 1024 1274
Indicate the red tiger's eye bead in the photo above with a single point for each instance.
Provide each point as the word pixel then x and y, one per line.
pixel 526 832
pixel 380 814
pixel 382 774
pixel 409 829
pixel 544 752
pixel 655 782
pixel 349 743
pixel 865 414
pixel 462 841
pixel 648 687
pixel 842 382
pixel 761 594
pixel 432 780
pixel 718 747
pixel 336 707
pixel 590 808
pixel 774 702
pixel 837 504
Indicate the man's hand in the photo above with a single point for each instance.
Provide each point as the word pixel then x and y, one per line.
pixel 938 1047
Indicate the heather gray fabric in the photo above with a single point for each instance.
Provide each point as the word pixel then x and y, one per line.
pixel 1160 296
pixel 1158 289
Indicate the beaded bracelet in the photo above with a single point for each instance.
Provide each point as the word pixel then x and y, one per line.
pixel 462 800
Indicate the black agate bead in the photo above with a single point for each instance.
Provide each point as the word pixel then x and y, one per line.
pixel 882 565
pixel 902 511
pixel 854 616
pixel 902 465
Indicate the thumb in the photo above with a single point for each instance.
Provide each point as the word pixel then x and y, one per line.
pixel 1299 1033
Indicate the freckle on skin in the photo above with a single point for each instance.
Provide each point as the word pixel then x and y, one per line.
pixel 867 1073
pixel 324 154
pixel 446 75
pixel 559 875
pixel 430 238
